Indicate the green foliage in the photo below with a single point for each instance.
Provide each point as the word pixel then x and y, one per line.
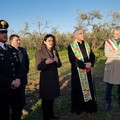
pixel 65 69
pixel 35 112
pixel 33 73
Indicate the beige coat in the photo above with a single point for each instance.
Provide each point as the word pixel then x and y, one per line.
pixel 112 65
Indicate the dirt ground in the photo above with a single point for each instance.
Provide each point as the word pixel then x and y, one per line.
pixel 113 114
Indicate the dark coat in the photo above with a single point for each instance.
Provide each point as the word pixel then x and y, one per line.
pixel 78 105
pixel 49 80
pixel 24 60
pixel 9 69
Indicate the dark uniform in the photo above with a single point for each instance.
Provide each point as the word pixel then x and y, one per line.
pixel 10 98
pixel 24 60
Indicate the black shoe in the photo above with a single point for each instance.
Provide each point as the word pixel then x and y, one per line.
pixel 55 117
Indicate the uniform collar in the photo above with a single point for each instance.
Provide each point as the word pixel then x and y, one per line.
pixel 2 45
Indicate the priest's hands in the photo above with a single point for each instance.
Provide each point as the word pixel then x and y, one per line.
pixel 88 65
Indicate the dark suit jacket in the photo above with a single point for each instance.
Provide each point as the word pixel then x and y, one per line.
pixel 24 60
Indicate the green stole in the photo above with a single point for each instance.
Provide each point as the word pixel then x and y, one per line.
pixel 113 44
pixel 82 72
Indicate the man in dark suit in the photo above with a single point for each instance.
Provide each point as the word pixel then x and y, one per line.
pixel 10 90
pixel 24 60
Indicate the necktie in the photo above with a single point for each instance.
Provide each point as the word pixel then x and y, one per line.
pixel 5 47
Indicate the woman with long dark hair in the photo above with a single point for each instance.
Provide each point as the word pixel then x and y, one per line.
pixel 47 61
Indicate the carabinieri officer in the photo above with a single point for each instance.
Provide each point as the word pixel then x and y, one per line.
pixel 10 90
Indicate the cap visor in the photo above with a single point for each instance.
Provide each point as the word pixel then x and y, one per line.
pixel 3 29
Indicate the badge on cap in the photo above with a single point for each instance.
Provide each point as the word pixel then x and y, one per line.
pixel 3 25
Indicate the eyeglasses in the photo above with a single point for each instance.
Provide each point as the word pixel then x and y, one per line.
pixel 4 32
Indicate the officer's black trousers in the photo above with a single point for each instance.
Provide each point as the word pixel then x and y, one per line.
pixel 10 105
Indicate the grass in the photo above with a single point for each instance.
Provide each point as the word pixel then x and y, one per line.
pixel 62 104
